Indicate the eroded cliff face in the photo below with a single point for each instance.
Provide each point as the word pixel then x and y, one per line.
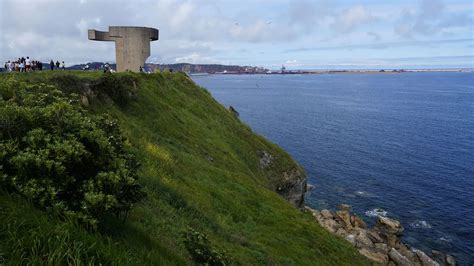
pixel 289 183
pixel 293 186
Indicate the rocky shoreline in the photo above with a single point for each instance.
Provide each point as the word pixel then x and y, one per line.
pixel 382 243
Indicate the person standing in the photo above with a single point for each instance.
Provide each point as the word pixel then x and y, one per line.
pixel 27 64
pixel 63 66
pixel 57 64
pixel 51 65
pixel 22 66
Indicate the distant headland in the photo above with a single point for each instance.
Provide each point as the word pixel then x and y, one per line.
pixel 200 69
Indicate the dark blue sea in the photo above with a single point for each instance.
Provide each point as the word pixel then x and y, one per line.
pixel 400 143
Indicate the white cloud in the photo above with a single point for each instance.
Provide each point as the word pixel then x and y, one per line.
pixel 84 24
pixel 429 18
pixel 196 58
pixel 376 37
pixel 246 32
pixel 352 18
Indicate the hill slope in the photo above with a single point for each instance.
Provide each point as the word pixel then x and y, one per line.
pixel 203 171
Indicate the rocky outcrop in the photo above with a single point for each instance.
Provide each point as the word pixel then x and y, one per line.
pixel 291 184
pixel 234 112
pixel 265 159
pixel 443 259
pixel 381 244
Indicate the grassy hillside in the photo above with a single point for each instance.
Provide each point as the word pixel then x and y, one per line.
pixel 200 168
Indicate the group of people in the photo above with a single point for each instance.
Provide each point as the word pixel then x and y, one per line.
pixel 27 65
pixel 106 68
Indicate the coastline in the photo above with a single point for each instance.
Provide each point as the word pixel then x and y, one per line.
pixel 341 71
pixel 381 243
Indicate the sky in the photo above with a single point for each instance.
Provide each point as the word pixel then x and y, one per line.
pixel 300 34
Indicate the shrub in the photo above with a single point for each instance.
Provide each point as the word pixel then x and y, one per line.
pixel 199 246
pixel 61 158
pixel 119 87
pixel 68 83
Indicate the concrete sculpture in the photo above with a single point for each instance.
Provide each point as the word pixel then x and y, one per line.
pixel 132 45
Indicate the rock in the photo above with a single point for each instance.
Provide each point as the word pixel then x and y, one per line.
pixel 443 259
pixel 344 207
pixel 341 232
pixel 374 236
pixel 389 230
pixel 345 218
pixel 362 240
pixel 292 186
pixel 330 225
pixel 450 260
pixel 356 221
pixel 438 256
pixel 405 251
pixel 374 255
pixel 234 112
pixel 350 239
pixel 326 214
pixel 398 258
pixel 389 226
pixel 425 260
pixel 392 240
pixel 381 246
pixel 265 159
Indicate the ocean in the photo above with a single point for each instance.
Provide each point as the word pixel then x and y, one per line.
pixel 400 145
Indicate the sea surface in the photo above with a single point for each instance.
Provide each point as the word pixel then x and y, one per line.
pixel 400 145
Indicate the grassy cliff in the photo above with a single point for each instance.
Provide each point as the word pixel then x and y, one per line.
pixel 202 171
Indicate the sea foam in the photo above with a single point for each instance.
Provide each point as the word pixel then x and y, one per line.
pixel 420 224
pixel 376 212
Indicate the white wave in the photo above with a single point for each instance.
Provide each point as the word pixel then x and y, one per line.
pixel 420 224
pixel 445 239
pixel 376 212
pixel 362 194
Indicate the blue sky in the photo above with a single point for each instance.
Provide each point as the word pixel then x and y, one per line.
pixel 301 34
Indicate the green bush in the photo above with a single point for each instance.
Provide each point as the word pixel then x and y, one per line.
pixel 121 88
pixel 199 246
pixel 61 158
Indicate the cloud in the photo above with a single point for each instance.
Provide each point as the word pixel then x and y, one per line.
pixel 376 37
pixel 430 9
pixel 430 18
pixel 84 24
pixel 307 15
pixel 352 18
pixel 385 45
pixel 195 58
pixel 243 32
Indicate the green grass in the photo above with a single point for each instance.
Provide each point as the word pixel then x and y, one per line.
pixel 175 128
